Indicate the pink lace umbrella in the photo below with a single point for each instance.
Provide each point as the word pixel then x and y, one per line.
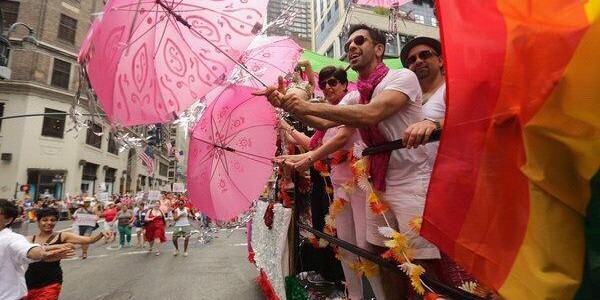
pixel 230 153
pixel 268 58
pixel 382 3
pixel 150 59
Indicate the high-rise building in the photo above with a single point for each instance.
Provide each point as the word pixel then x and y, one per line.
pixel 40 152
pixel 299 28
pixel 331 18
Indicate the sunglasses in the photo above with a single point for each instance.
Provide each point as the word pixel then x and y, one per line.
pixel 423 55
pixel 358 40
pixel 331 82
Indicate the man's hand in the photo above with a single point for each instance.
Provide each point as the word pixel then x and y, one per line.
pixel 294 102
pixel 58 252
pixel 274 94
pixel 418 134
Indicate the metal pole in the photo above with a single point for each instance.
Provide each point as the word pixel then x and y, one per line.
pixel 43 114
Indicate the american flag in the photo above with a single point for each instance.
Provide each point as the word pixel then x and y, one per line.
pixel 147 158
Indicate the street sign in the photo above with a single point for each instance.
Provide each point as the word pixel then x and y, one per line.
pixel 103 197
pixel 178 187
pixel 153 195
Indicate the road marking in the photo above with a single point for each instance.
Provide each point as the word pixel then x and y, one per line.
pixel 241 245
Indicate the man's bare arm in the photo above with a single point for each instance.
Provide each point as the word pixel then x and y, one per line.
pixel 380 108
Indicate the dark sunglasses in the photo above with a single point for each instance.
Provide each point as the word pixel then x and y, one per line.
pixel 423 55
pixel 358 40
pixel 331 82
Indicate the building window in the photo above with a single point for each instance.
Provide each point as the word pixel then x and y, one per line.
pixel 92 138
pixel 67 29
pixel 11 13
pixel 112 144
pixel 109 175
pixel 53 125
pixel 163 170
pixel 1 114
pixel 329 52
pixel 434 21
pixel 61 73
pixel 419 19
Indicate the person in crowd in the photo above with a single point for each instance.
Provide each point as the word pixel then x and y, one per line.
pixel 183 228
pixel 86 219
pixel 155 227
pixel 109 215
pixel 337 144
pixel 125 220
pixel 16 252
pixel 44 279
pixel 422 55
pixel 139 213
pixel 387 103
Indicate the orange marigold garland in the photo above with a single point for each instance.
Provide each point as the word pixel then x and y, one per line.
pixel 322 167
pixel 415 223
pixel 398 246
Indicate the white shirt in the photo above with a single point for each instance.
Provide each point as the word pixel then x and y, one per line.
pixel 435 108
pixel 183 217
pixel 405 165
pixel 13 259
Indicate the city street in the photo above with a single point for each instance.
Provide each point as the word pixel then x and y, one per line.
pixel 216 270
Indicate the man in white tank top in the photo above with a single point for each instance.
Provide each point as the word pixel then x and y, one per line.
pixel 182 227
pixel 422 55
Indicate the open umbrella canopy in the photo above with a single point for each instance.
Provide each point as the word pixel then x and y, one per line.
pixel 149 60
pixel 230 153
pixel 268 57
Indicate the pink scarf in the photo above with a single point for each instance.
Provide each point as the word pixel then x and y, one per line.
pixel 378 163
pixel 317 137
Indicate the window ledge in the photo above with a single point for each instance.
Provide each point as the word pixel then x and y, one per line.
pixel 51 138
pixel 90 147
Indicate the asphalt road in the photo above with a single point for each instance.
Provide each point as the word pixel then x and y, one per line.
pixel 216 270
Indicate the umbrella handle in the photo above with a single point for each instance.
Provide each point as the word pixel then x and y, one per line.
pixel 189 26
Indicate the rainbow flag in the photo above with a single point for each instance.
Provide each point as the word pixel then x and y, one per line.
pixel 513 197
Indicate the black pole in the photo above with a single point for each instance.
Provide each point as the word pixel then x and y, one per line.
pixel 45 114
pixel 437 286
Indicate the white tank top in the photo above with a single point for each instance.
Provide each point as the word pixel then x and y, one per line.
pixel 183 219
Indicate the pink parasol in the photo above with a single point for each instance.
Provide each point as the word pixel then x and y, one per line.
pixel 149 60
pixel 382 3
pixel 230 153
pixel 267 57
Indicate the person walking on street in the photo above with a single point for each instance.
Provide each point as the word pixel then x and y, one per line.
pixel 86 219
pixel 139 213
pixel 125 220
pixel 155 227
pixel 109 215
pixel 182 227
pixel 16 252
pixel 44 279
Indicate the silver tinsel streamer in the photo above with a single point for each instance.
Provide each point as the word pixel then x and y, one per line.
pixel 285 18
pixel 271 246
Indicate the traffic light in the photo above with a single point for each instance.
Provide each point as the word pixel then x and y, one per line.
pixel 154 134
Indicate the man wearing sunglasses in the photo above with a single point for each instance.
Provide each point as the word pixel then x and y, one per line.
pixel 422 56
pixel 387 103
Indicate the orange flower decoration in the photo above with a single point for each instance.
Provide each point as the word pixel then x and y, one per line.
pixel 415 223
pixel 378 207
pixel 320 166
pixel 336 206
